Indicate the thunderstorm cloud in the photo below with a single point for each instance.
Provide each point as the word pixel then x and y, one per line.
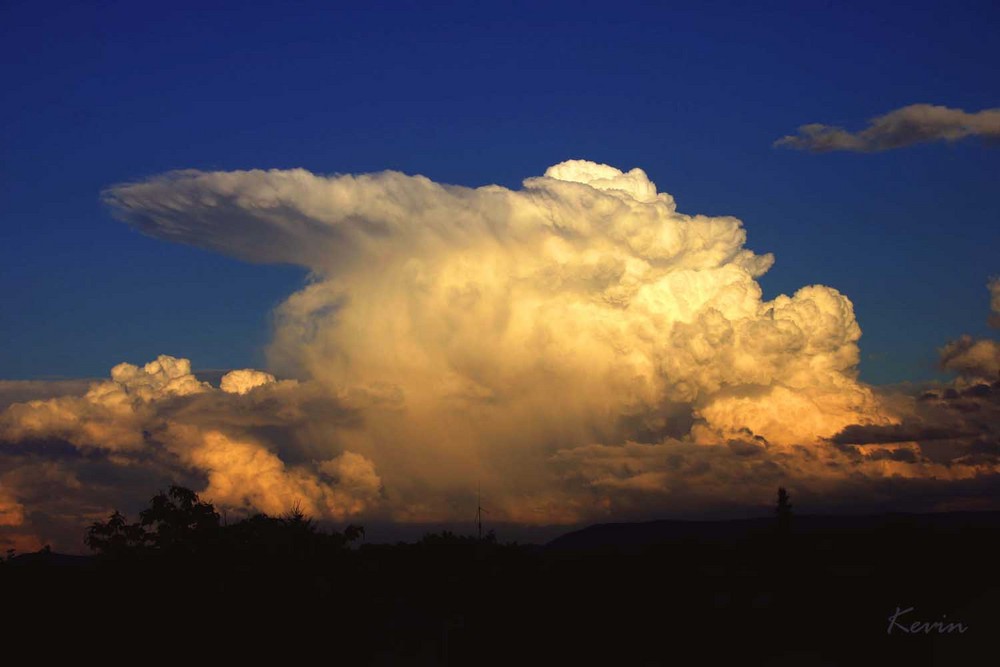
pixel 577 346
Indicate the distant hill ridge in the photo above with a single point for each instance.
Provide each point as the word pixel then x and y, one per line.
pixel 647 533
pixel 636 535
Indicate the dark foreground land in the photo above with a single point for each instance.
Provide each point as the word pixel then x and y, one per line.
pixel 820 592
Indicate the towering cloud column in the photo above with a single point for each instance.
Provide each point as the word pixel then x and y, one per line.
pixel 577 346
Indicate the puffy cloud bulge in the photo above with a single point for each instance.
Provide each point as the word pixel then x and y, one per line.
pixel 577 345
pixel 976 360
pixel 584 295
pixel 160 418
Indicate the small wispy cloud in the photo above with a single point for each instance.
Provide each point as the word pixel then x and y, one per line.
pixel 913 124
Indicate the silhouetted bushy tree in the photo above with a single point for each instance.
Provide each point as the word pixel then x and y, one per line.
pixel 116 537
pixel 353 533
pixel 178 524
pixel 178 519
pixel 446 537
pixel 783 510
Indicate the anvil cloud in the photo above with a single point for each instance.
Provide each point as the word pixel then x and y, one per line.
pixel 577 346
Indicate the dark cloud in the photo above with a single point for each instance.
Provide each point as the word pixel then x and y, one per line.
pixel 951 426
pixel 869 434
pixel 913 124
pixel 975 358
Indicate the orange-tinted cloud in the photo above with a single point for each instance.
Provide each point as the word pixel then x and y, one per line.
pixel 578 347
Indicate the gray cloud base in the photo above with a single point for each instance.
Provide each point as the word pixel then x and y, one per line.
pixel 909 125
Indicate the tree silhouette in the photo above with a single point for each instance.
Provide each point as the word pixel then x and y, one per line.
pixel 116 536
pixel 296 520
pixel 178 519
pixel 784 511
pixel 178 527
pixel 353 532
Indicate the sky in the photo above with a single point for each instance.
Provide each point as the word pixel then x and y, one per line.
pixel 106 258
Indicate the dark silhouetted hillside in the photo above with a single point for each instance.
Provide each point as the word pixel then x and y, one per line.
pixel 631 536
pixel 179 584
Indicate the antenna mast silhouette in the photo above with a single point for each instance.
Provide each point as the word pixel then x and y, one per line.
pixel 480 511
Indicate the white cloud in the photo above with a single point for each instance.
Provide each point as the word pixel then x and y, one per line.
pixel 244 380
pixel 506 324
pixel 577 346
pixel 585 284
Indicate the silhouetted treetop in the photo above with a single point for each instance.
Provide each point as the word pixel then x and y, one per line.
pixel 179 522
pixel 783 510
pixel 116 537
pixel 179 519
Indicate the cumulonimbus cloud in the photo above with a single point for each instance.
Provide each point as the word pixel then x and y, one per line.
pixel 587 284
pixel 578 347
pixel 913 124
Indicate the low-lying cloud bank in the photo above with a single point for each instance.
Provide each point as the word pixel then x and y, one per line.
pixel 578 347
pixel 913 124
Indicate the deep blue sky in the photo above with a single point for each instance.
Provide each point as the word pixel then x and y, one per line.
pixel 101 92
